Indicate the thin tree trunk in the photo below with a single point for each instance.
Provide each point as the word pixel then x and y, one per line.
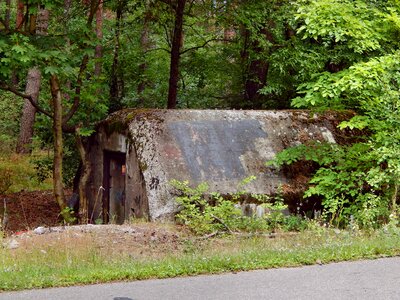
pixel 8 15
pixel 28 111
pixel 20 14
pixel 175 55
pixel 99 33
pixel 84 177
pixel 42 22
pixel 67 85
pixel 116 81
pixel 58 144
pixel 394 199
pixel 67 7
pixel 144 45
pixel 256 70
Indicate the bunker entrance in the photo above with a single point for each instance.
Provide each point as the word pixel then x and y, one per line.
pixel 114 185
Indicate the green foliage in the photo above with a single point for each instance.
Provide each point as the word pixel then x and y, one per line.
pixel 357 183
pixel 19 171
pixel 317 54
pixel 345 181
pixel 295 223
pixel 354 23
pixel 10 106
pixel 205 212
pixel 198 214
pixel 43 165
pixel 73 260
pixel 5 180
pixel 68 215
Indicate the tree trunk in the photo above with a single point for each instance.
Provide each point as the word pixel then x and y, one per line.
pixel 84 176
pixel 20 14
pixel 67 7
pixel 58 145
pixel 144 46
pixel 256 71
pixel 32 88
pixel 7 17
pixel 116 81
pixel 99 33
pixel 28 111
pixel 256 80
pixel 175 55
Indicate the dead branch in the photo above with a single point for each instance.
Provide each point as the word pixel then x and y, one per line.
pixel 222 223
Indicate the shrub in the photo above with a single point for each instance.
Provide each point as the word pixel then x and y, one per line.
pixel 205 212
pixel 5 180
pixel 349 182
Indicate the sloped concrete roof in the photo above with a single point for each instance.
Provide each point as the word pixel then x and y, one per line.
pixel 220 147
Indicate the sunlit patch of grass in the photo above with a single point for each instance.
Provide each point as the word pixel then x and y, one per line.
pixel 75 259
pixel 23 173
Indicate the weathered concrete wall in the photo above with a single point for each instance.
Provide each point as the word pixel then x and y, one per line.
pixel 221 147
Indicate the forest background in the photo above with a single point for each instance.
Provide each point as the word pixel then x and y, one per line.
pixel 64 65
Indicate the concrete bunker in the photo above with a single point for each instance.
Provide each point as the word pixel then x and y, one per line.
pixel 136 153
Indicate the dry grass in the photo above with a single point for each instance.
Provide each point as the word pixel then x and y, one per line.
pixel 141 252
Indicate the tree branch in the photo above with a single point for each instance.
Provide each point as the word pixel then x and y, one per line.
pixel 222 223
pixel 94 5
pixel 168 37
pixel 77 97
pixel 13 90
pixel 204 44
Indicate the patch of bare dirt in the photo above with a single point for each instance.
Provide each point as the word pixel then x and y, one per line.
pixel 28 210
pixel 34 223
pixel 147 240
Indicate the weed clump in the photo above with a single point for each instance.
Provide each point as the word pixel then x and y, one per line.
pixel 212 213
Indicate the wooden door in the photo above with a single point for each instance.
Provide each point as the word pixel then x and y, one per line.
pixel 114 185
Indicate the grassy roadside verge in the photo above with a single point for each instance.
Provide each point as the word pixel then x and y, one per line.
pixel 66 263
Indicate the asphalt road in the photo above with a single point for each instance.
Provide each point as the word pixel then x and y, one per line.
pixel 374 279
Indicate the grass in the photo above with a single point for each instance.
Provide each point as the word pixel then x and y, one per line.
pixel 23 174
pixel 71 260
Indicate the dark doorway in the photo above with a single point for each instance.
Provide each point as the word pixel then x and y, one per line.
pixel 114 185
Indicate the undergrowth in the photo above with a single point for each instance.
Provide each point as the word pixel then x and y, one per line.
pixel 205 212
pixel 19 174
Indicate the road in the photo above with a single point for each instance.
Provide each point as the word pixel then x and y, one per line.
pixel 373 279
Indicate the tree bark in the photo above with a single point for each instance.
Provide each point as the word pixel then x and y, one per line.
pixel 144 46
pixel 98 53
pixel 58 144
pixel 7 16
pixel 32 88
pixel 84 177
pixel 28 111
pixel 175 55
pixel 256 80
pixel 20 14
pixel 116 81
pixel 256 70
